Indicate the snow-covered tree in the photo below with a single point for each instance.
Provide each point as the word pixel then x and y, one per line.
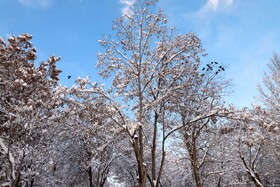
pixel 154 71
pixel 202 96
pixel 93 119
pixel 269 92
pixel 248 144
pixel 29 106
pixel 270 89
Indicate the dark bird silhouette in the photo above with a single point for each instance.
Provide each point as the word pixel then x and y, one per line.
pixel 216 62
pixel 203 69
pixel 68 76
pixel 209 67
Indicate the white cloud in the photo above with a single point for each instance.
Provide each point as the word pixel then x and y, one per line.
pixel 214 5
pixel 126 10
pixel 228 2
pixel 205 16
pixel 36 3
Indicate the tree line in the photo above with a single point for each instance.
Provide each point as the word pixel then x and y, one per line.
pixel 163 121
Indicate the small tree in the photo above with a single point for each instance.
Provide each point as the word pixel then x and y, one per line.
pixel 270 91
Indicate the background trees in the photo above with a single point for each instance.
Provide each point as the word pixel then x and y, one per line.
pixel 269 95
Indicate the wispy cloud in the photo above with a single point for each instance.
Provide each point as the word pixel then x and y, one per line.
pixel 209 13
pixel 126 10
pixel 215 5
pixel 36 3
pixel 212 5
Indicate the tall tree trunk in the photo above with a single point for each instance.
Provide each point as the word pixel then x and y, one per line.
pixel 154 149
pixel 138 142
pixel 90 176
pixel 191 145
pixel 142 168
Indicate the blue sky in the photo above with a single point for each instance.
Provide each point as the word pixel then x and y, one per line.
pixel 242 34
